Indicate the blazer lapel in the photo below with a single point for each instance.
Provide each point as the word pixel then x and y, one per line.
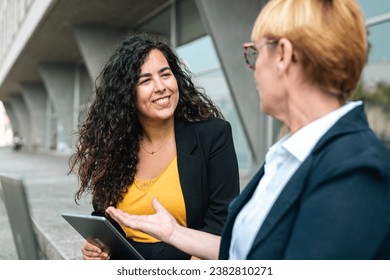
pixel 234 208
pixel 246 194
pixel 190 171
pixel 286 199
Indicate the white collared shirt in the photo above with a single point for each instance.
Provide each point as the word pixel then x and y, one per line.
pixel 281 162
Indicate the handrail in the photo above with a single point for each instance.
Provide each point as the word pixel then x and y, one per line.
pixel 377 20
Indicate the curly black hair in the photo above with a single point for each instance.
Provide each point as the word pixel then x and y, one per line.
pixel 109 140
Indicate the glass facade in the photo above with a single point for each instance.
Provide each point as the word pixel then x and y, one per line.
pixel 201 58
pixel 375 83
pixel 181 26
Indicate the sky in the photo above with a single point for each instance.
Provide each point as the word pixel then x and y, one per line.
pixel 379 35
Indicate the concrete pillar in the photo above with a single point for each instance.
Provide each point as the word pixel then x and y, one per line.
pixel 22 116
pixel 51 136
pixel 11 116
pixel 59 81
pixel 83 94
pixel 229 23
pixel 96 44
pixel 35 97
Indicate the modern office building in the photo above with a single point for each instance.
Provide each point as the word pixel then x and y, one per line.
pixel 51 52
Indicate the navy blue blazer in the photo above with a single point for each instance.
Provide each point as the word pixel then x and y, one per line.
pixel 336 205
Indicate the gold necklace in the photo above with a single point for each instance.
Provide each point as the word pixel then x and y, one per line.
pixel 144 185
pixel 153 152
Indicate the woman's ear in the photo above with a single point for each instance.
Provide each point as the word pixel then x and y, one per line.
pixel 286 55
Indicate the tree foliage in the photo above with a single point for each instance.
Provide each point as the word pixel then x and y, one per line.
pixel 379 94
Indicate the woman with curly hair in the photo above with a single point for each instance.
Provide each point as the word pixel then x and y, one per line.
pixel 151 133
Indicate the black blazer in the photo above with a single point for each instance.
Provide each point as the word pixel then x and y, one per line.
pixel 336 205
pixel 208 171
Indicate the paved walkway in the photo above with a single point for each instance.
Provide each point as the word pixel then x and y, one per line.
pixel 50 192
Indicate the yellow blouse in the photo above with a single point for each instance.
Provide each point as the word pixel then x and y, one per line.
pixel 138 199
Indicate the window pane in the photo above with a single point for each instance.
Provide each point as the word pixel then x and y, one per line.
pixel 374 87
pixel 202 60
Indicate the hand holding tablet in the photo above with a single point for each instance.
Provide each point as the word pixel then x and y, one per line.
pixel 99 231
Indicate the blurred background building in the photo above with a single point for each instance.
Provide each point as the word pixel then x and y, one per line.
pixel 51 52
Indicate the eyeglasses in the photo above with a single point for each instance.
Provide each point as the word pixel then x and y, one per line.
pixel 250 52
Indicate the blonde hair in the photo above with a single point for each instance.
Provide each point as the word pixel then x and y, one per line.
pixel 329 37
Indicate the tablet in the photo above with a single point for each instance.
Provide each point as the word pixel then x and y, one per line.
pixel 99 231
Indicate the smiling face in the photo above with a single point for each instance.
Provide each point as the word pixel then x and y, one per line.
pixel 157 90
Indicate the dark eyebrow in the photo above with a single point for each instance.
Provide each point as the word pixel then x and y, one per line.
pixel 163 69
pixel 159 71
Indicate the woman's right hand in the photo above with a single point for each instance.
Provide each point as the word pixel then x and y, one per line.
pixel 92 252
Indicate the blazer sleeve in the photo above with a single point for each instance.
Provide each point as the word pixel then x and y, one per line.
pixel 222 178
